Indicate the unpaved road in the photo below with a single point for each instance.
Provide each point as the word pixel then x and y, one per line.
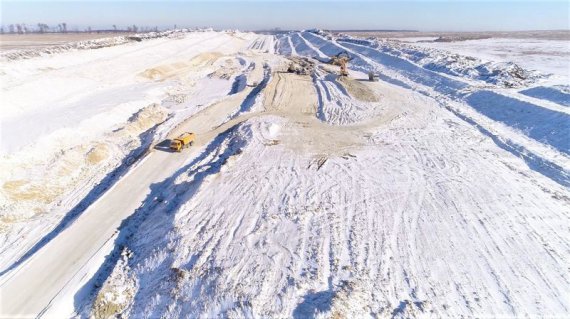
pixel 413 190
pixel 67 255
pixel 30 288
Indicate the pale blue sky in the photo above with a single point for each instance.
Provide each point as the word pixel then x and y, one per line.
pixel 417 15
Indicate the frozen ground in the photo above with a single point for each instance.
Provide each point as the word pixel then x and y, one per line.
pixel 36 41
pixel 91 114
pixel 547 52
pixel 461 36
pixel 546 56
pixel 434 192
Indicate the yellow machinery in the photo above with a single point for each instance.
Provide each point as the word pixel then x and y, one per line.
pixel 341 60
pixel 183 141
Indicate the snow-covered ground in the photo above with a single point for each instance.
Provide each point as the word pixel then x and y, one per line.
pixel 416 39
pixel 546 56
pixel 72 122
pixel 434 192
pixel 549 57
pixel 412 214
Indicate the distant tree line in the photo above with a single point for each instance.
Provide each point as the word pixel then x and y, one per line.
pixel 22 28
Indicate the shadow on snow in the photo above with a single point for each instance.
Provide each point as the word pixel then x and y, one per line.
pixel 158 209
pixel 105 184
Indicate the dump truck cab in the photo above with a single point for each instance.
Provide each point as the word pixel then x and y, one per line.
pixel 176 145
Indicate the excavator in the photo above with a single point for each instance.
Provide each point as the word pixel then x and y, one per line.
pixel 341 59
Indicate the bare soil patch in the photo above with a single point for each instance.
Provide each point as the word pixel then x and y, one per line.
pixel 358 90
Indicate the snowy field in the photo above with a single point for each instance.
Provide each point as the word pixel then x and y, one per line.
pixel 441 190
pixel 546 56
pixel 38 41
pixel 547 52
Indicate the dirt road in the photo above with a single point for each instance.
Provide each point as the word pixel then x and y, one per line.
pixel 66 257
pixel 29 289
pixel 331 227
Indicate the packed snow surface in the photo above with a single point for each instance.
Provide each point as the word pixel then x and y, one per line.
pixel 433 192
pixel 546 56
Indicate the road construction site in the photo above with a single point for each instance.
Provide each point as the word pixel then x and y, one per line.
pixel 326 177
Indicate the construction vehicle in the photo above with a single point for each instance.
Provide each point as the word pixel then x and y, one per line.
pixel 292 68
pixel 183 141
pixel 372 77
pixel 341 60
pixel 301 66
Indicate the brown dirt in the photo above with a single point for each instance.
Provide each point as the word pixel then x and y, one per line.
pixel 144 120
pixel 358 90
pixel 22 190
pixel 170 70
pixel 97 154
pixel 290 93
pixel 62 171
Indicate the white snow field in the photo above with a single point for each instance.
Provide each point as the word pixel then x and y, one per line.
pixel 547 56
pixel 441 190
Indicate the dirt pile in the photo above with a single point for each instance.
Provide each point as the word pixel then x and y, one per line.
pixel 117 292
pixel 301 66
pixel 358 90
pixel 24 194
pixel 181 68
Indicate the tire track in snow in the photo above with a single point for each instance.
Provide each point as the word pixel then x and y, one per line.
pixel 449 265
pixel 364 61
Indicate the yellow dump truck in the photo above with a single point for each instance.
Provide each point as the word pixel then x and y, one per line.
pixel 182 141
